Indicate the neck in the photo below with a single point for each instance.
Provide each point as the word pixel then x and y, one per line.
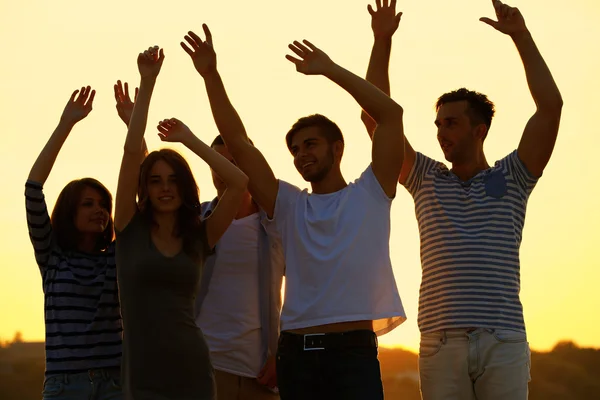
pixel 469 168
pixel 165 223
pixel 87 243
pixel 333 182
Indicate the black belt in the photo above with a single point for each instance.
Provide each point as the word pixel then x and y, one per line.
pixel 328 341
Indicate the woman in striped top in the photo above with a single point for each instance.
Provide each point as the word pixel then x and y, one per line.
pixel 75 252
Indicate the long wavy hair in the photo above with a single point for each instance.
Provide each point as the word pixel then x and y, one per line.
pixel 65 211
pixel 189 221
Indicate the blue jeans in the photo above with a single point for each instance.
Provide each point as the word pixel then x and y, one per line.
pixel 99 384
pixel 477 364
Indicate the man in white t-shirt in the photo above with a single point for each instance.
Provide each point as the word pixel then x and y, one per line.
pixel 340 287
pixel 239 301
pixel 471 218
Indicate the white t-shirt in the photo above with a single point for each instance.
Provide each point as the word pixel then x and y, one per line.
pixel 230 313
pixel 337 255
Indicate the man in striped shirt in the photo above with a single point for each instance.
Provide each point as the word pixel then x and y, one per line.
pixel 470 218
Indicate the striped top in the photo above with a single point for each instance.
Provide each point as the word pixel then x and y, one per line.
pixel 470 237
pixel 81 307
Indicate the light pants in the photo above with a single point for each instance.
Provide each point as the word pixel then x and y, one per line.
pixel 481 364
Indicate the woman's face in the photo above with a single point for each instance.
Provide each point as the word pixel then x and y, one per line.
pixel 92 214
pixel 163 190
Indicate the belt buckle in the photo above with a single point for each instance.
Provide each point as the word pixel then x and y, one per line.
pixel 312 348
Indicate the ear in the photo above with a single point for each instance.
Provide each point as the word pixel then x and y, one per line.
pixel 480 132
pixel 338 149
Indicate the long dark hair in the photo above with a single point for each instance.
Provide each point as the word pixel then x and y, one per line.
pixel 65 210
pixel 189 221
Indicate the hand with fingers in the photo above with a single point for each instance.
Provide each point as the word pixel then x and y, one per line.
pixel 173 130
pixel 510 21
pixel 79 106
pixel 202 52
pixel 313 61
pixel 124 103
pixel 384 20
pixel 150 61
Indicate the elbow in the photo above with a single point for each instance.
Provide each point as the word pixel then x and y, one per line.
pixel 552 105
pixel 241 184
pixel 393 114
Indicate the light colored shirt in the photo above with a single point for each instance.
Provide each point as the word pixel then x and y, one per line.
pixel 470 237
pixel 230 313
pixel 336 247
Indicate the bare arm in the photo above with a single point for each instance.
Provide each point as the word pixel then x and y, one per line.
pixel 76 109
pixel 149 64
pixel 263 185
pixel 388 137
pixel 539 136
pixel 173 130
pixel 384 22
pixel 125 109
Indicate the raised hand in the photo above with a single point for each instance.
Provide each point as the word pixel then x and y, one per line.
pixel 384 20
pixel 124 103
pixel 173 130
pixel 78 107
pixel 510 21
pixel 150 61
pixel 202 52
pixel 313 61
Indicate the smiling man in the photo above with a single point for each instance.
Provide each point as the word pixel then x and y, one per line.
pixel 340 288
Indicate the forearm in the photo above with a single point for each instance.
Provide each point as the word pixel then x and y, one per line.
pixel 45 161
pixel 543 89
pixel 226 118
pixel 378 70
pixel 375 102
pixel 139 117
pixel 231 175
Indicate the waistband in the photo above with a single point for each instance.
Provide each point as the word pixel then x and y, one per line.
pixel 328 341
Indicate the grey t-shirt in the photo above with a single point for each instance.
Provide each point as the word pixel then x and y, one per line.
pixel 165 355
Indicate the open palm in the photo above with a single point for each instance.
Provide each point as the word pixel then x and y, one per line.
pixel 510 20
pixel 124 103
pixel 312 61
pixel 202 52
pixel 384 20
pixel 79 106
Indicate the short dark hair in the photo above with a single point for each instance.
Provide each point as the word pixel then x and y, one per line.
pixel 218 141
pixel 328 128
pixel 480 110
pixel 189 221
pixel 65 210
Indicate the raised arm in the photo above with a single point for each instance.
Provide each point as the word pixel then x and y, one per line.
pixel 173 130
pixel 125 109
pixel 384 22
pixel 77 108
pixel 539 136
pixel 263 185
pixel 388 138
pixel 149 64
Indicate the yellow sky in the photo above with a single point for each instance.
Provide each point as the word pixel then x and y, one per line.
pixel 51 48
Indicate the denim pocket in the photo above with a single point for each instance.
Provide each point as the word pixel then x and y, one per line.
pixel 429 346
pixel 52 389
pixel 509 336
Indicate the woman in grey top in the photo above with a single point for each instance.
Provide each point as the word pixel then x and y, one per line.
pixel 161 246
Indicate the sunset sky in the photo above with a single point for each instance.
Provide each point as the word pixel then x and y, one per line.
pixel 52 48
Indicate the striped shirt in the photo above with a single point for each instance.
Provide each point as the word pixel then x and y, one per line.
pixel 470 237
pixel 81 307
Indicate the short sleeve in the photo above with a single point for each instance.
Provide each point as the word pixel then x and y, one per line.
pixel 287 195
pixel 370 183
pixel 422 167
pixel 519 172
